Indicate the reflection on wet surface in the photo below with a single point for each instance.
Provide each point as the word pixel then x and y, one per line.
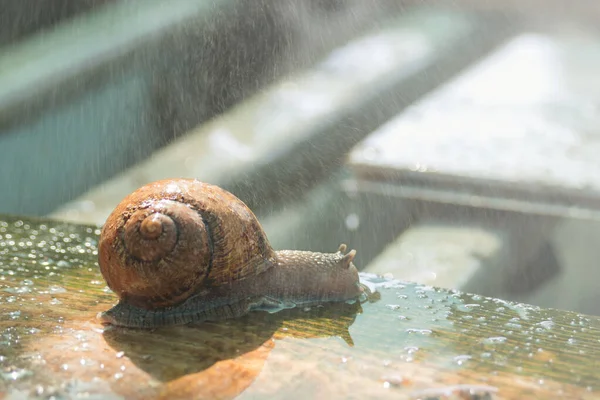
pixel 413 338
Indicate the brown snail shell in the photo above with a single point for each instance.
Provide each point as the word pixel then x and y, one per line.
pixel 179 251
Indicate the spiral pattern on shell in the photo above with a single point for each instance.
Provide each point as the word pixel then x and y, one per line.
pixel 170 239
pixel 152 233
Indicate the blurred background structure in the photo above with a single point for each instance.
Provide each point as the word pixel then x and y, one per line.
pixel 450 142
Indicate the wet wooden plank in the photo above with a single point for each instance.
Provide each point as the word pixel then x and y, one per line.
pixel 414 341
pixel 300 129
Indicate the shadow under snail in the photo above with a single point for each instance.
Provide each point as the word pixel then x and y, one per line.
pixel 181 251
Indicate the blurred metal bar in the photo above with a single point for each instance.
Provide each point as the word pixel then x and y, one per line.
pixel 79 47
pixel 18 19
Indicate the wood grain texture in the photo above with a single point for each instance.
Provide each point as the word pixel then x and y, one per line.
pixel 414 341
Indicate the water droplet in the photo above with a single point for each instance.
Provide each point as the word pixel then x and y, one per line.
pixel 352 222
pixel 19 289
pixel 14 373
pixel 547 324
pixel 494 340
pixel 63 264
pixel 120 354
pixel 393 380
pixel 55 301
pixel 419 331
pixel 14 314
pixel 57 289
pixel 513 325
pixel 460 360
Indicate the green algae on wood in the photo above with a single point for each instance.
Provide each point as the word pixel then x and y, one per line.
pixel 414 341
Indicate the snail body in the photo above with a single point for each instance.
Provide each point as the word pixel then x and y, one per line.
pixel 181 251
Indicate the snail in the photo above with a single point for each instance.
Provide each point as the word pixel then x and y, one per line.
pixel 181 251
